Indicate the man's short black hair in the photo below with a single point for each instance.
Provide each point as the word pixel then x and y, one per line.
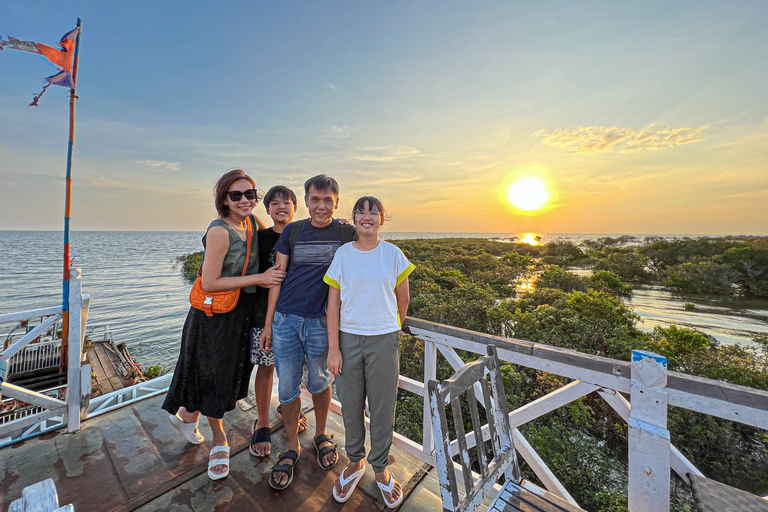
pixel 321 182
pixel 279 192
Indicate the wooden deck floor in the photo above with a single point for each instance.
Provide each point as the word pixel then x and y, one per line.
pixel 133 459
pixel 104 361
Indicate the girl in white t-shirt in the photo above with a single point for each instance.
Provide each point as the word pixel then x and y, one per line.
pixel 367 302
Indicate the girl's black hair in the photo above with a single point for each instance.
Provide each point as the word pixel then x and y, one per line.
pixel 370 202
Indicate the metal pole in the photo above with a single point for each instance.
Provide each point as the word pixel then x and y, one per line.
pixel 68 205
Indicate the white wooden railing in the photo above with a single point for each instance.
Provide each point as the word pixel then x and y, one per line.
pixel 651 389
pixel 78 378
pixel 645 380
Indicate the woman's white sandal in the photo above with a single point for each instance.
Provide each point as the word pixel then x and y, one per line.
pixel 388 489
pixel 218 462
pixel 354 478
pixel 187 429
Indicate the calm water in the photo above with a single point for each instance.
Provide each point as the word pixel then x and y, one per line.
pixel 136 285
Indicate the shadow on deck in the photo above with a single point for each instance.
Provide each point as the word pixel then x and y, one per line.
pixel 133 459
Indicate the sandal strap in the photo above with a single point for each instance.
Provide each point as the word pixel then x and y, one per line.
pixel 322 438
pixel 344 480
pixel 389 486
pixel 218 462
pixel 282 468
pixel 326 450
pixel 290 454
pixel 261 435
pixel 220 448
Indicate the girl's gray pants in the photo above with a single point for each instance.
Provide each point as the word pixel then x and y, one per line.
pixel 370 368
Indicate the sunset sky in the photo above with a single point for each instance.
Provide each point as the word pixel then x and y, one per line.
pixel 638 117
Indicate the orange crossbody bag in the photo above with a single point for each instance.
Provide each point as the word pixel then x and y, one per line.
pixel 218 302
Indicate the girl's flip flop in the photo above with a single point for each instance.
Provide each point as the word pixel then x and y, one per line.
pixel 388 489
pixel 354 478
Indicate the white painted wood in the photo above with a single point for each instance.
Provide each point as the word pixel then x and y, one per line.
pixel 66 508
pixel 535 409
pixel 680 464
pixel 75 348
pixel 31 397
pixel 430 372
pixel 85 390
pixel 720 408
pixel 724 400
pixel 456 363
pixel 600 379
pixel 31 335
pixel 17 505
pixel 649 447
pixel 26 421
pixel 548 403
pixel 41 497
pixel 411 385
pixel 30 313
pixel 539 467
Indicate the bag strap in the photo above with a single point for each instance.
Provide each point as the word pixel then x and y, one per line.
pixel 292 237
pixel 249 239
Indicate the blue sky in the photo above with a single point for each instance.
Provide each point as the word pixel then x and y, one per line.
pixel 640 116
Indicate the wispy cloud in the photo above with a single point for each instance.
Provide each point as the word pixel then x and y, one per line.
pixel 385 154
pixel 160 165
pixel 340 132
pixel 751 195
pixel 604 139
pixel 335 87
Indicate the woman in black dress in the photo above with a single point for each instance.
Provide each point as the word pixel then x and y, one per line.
pixel 214 367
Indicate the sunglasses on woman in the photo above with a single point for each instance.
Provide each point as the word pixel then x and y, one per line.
pixel 249 194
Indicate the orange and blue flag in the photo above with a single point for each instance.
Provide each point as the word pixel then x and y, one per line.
pixel 60 57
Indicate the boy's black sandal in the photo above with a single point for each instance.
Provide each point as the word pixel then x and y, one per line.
pixel 322 452
pixel 260 435
pixel 283 468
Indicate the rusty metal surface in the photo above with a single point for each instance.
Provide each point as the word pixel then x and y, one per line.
pixel 133 458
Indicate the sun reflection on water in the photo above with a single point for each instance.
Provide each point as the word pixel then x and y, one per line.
pixel 530 238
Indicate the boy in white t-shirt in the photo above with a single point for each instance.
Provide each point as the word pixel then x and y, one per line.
pixel 367 301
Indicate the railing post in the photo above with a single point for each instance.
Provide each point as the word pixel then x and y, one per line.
pixel 648 434
pixel 430 373
pixel 75 348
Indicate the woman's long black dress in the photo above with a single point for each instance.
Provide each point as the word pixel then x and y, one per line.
pixel 214 367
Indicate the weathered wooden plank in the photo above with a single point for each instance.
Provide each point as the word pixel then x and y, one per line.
pixel 30 313
pixel 550 402
pixel 98 369
pixel 611 374
pixel 430 373
pixel 529 487
pixel 448 491
pixel 75 349
pixel 411 385
pixel 539 467
pixel 458 422
pixel 455 361
pixel 679 463
pixel 31 397
pixel 729 401
pixel 476 428
pixel 31 335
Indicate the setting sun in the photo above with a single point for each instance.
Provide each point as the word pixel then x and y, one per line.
pixel 529 194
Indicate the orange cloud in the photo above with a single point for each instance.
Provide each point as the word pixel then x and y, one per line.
pixel 604 139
